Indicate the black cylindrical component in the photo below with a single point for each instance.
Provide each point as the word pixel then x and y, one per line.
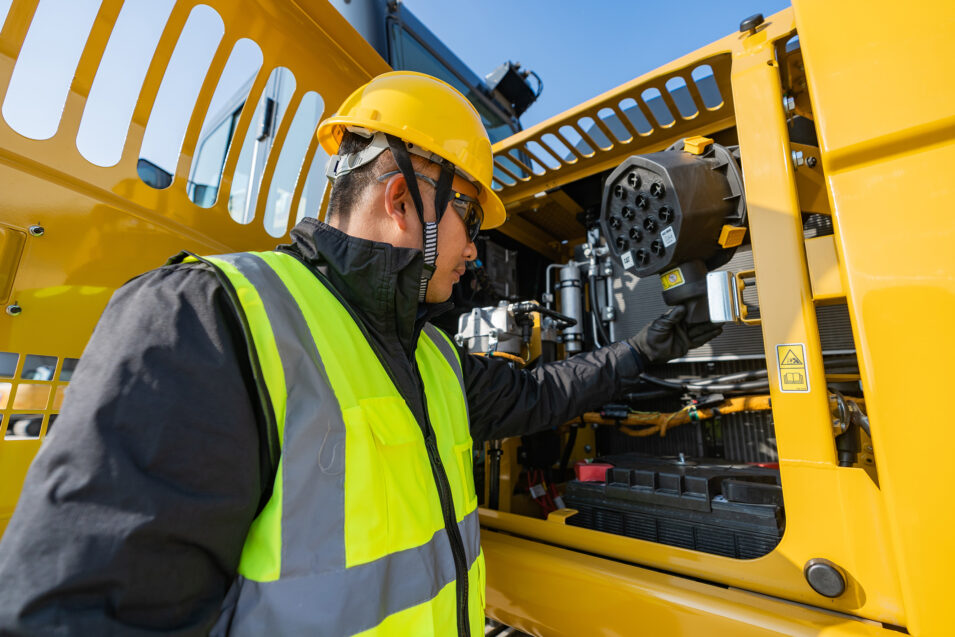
pixel 684 201
pixel 571 304
pixel 494 475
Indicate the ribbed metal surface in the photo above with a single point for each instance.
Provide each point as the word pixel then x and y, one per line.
pixel 749 437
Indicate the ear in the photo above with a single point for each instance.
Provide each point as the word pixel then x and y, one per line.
pixel 398 201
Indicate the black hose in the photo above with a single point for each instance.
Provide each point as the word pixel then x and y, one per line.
pixel 595 312
pixel 494 479
pixel 568 449
pixel 654 394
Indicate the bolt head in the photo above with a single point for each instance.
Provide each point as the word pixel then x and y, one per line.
pixel 36 230
pixel 811 162
pixel 14 310
pixel 750 23
pixel 825 578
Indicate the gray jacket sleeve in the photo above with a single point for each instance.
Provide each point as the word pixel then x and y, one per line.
pixel 503 401
pixel 134 513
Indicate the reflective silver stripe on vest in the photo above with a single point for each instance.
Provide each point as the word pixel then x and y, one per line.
pixel 451 355
pixel 345 603
pixel 313 492
pixel 315 593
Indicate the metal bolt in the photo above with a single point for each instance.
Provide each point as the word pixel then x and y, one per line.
pixel 789 103
pixel 811 162
pixel 750 24
pixel 14 310
pixel 798 157
pixel 825 577
pixel 37 230
pixel 587 448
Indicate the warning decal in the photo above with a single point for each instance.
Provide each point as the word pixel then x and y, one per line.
pixel 672 278
pixel 793 376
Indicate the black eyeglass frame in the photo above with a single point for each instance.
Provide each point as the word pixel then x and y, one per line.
pixel 471 212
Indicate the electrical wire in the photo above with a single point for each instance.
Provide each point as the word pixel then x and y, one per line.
pixel 754 379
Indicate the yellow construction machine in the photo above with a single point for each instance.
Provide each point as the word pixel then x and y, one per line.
pixel 791 180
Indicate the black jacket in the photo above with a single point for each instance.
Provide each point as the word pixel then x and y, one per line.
pixel 134 513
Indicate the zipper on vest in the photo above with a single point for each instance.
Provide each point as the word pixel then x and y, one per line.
pixel 434 457
pixel 450 519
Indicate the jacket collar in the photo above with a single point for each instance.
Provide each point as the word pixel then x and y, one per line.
pixel 379 281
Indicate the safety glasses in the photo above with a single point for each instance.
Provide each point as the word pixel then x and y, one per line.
pixel 467 207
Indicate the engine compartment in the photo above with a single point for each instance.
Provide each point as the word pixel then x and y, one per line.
pixel 688 458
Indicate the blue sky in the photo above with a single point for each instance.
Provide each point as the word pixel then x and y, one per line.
pixel 581 49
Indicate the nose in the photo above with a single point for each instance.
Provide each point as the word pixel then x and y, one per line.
pixel 470 251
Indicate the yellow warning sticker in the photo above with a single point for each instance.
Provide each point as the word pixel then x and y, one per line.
pixel 793 376
pixel 671 279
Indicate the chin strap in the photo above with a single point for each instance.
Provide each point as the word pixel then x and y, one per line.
pixel 441 198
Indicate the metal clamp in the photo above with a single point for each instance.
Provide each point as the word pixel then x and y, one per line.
pixel 724 291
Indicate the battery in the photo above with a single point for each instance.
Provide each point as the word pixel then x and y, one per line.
pixel 703 505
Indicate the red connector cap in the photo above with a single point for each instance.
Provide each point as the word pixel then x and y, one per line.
pixel 592 471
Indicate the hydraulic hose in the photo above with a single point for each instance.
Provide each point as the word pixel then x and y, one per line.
pixel 595 312
pixel 568 449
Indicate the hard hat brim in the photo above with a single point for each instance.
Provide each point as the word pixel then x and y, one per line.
pixel 330 134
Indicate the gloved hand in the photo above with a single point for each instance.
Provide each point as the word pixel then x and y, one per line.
pixel 670 337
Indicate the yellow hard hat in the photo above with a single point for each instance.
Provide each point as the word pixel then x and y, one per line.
pixel 429 113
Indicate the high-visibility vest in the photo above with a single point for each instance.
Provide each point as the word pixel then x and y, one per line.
pixel 372 524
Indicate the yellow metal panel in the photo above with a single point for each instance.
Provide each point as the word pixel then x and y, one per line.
pixel 831 512
pixel 884 115
pixel 545 590
pixel 825 274
pixel 104 225
pixel 581 165
pixel 810 184
pixel 835 513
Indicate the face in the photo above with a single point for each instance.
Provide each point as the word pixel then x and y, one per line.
pixel 403 228
pixel 454 248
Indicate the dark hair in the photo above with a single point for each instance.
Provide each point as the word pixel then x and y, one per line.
pixel 348 187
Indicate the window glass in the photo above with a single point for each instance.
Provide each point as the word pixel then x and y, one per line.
pixel 633 113
pixel 230 96
pixel 706 84
pixel 33 396
pixel 119 78
pixel 69 364
pixel 676 87
pixel 23 426
pixel 289 165
pixel 210 160
pixel 8 364
pixel 412 56
pixel 315 185
pixel 5 390
pixel 49 423
pixel 46 65
pixel 654 101
pixel 38 367
pixel 178 92
pixel 612 121
pixel 258 142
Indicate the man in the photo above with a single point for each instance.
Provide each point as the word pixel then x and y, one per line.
pixel 280 441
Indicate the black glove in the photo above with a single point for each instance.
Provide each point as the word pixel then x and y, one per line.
pixel 670 337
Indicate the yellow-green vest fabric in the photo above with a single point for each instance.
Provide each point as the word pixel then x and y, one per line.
pixel 353 539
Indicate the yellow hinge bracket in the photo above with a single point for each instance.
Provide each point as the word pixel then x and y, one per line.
pixel 696 145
